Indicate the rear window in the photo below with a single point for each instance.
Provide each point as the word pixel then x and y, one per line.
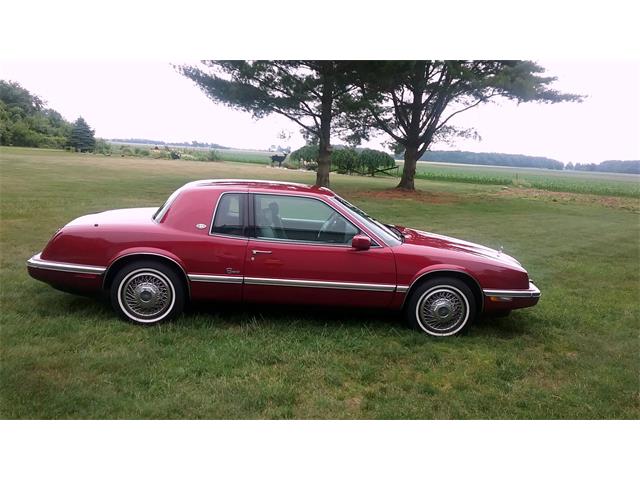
pixel 157 217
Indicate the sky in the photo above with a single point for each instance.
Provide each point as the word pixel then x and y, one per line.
pixel 149 99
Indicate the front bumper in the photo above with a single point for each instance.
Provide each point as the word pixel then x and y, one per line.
pixel 531 292
pixel 496 300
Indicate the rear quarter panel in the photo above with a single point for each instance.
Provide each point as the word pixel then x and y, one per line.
pixel 175 237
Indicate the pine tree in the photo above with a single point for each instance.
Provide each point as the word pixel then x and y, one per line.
pixel 413 101
pixel 82 138
pixel 311 93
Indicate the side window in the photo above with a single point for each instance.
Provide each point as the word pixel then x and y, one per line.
pixel 229 217
pixel 300 218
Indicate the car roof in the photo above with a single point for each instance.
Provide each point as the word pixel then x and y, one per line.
pixel 259 185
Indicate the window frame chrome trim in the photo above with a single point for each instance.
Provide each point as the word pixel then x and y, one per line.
pixel 307 242
pixel 36 262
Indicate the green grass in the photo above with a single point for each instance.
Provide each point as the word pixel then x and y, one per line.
pixel 611 184
pixel 575 355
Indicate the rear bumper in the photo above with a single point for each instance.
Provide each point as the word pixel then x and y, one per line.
pixel 69 277
pixel 495 299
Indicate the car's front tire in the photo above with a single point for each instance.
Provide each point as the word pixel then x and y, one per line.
pixel 441 307
pixel 147 293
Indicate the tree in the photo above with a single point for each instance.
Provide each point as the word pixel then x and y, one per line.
pixel 313 94
pixel 25 122
pixel 82 138
pixel 14 95
pixel 414 101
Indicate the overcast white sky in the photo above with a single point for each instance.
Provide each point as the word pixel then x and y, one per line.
pixel 151 100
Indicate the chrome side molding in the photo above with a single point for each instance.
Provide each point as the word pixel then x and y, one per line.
pixel 285 282
pixel 215 278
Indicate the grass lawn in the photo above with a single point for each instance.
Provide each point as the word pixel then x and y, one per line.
pixel 575 355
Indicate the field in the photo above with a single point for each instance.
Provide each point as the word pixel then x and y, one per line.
pixel 575 355
pixel 597 183
pixel 245 156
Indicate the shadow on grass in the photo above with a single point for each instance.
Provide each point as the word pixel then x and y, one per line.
pixel 312 316
pixel 227 315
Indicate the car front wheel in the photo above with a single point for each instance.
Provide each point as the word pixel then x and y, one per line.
pixel 147 293
pixel 441 307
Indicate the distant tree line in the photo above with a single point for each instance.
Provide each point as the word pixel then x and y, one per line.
pixel 612 166
pixel 502 159
pixel 25 122
pixel 146 141
pixel 511 160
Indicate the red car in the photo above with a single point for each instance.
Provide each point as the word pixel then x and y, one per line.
pixel 276 242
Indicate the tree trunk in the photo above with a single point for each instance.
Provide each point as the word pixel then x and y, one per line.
pixel 412 147
pixel 409 170
pixel 324 165
pixel 324 142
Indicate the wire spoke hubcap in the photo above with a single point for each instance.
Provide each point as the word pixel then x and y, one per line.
pixel 146 294
pixel 442 309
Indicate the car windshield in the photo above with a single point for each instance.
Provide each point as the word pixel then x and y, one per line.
pixel 390 235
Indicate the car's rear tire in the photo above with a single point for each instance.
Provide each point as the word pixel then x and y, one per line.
pixel 441 307
pixel 147 292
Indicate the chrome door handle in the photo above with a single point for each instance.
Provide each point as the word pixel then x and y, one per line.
pixel 257 252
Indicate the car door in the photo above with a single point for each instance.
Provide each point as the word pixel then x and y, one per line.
pixel 217 274
pixel 300 252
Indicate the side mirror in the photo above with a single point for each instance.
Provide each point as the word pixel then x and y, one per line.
pixel 361 242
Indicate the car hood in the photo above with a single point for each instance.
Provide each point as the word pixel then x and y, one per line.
pixel 433 240
pixel 125 216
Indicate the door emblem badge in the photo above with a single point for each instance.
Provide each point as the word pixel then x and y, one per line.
pixel 231 270
pixel 201 226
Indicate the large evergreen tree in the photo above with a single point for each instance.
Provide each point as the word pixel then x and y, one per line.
pixel 413 101
pixel 82 138
pixel 313 94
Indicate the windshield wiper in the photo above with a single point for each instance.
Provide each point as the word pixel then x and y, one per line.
pixel 396 230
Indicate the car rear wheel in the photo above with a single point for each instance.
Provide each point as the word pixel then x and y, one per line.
pixel 147 293
pixel 441 307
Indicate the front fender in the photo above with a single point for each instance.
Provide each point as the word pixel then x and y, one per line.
pixel 438 268
pixel 403 289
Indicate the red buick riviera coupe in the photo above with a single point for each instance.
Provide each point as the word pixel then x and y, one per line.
pixel 276 242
